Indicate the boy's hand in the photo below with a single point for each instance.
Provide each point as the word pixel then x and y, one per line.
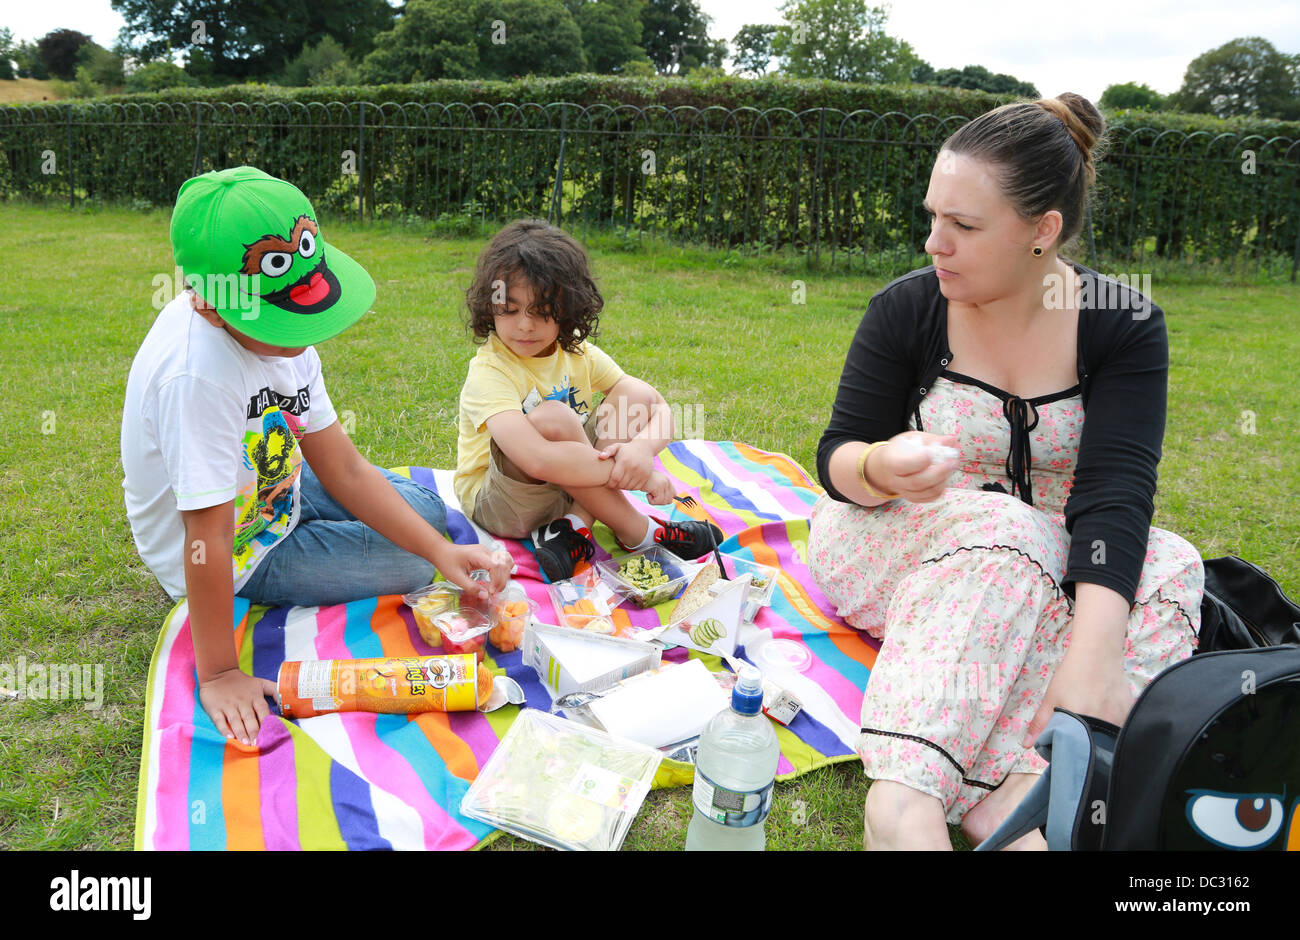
pixel 633 465
pixel 658 489
pixel 235 702
pixel 461 560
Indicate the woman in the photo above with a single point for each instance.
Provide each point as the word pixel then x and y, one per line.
pixel 1023 574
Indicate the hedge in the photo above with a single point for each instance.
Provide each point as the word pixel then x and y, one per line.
pixel 767 163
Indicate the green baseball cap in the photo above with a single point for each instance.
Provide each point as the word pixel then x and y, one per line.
pixel 250 246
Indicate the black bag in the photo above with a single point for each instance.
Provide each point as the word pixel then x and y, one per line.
pixel 1244 608
pixel 1209 756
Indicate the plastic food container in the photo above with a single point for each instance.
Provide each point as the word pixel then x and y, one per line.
pixel 614 571
pixel 446 620
pixel 427 603
pixel 582 602
pixel 462 631
pixel 562 784
pixel 762 584
pixel 511 616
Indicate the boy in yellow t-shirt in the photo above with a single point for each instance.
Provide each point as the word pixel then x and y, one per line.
pixel 533 456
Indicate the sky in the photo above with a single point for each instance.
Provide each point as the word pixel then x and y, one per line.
pixel 1058 47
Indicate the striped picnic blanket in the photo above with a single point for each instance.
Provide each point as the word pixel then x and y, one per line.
pixel 365 781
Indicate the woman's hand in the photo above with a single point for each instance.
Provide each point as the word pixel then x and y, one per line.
pixel 897 468
pixel 1089 681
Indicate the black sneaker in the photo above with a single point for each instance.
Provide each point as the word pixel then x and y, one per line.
pixel 689 539
pixel 559 549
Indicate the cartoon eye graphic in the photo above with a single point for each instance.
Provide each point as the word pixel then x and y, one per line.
pixel 276 263
pixel 1235 821
pixel 307 244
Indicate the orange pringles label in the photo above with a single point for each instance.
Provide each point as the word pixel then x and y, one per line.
pixel 394 685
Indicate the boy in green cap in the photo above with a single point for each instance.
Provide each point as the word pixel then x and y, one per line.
pixel 238 478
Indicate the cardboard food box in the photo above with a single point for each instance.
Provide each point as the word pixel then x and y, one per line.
pixel 579 661
pixel 715 627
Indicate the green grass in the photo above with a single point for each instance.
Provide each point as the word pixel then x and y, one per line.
pixel 75 302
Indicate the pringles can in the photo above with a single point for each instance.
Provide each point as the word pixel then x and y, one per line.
pixel 396 685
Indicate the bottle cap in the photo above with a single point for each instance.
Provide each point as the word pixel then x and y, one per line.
pixel 747 696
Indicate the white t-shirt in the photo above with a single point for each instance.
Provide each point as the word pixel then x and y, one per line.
pixel 207 421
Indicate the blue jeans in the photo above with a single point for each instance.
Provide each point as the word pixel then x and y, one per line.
pixel 332 558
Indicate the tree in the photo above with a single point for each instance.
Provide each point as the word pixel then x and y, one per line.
pixel 753 48
pixel 433 39
pixel 675 35
pixel 638 68
pixel 978 78
pixel 58 51
pixel 476 39
pixel 28 58
pixel 1131 95
pixel 7 54
pixel 1244 76
pixel 540 38
pixel 155 76
pixel 325 63
pixel 843 40
pixel 238 40
pixel 102 67
pixel 611 32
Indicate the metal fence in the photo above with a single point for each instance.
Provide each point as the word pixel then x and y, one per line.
pixel 843 187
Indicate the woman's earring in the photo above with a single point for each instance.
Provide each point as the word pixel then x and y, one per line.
pixel 1038 251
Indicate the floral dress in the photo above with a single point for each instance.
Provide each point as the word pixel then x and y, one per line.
pixel 965 594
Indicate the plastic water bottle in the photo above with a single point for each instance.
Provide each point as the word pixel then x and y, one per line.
pixel 734 770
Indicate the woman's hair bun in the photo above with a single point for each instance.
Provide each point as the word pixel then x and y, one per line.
pixel 1081 119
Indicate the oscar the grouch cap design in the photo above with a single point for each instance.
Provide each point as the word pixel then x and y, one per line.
pixel 250 246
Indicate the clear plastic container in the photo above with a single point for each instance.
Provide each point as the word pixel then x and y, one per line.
pixel 461 631
pixel 447 620
pixel 562 784
pixel 582 602
pixel 762 584
pixel 512 613
pixel 614 571
pixel 430 601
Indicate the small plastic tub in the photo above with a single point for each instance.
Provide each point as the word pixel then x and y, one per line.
pixel 579 602
pixel 762 583
pixel 461 631
pixel 616 572
pixel 511 615
pixel 427 603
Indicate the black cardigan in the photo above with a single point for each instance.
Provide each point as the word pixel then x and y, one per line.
pixel 901 347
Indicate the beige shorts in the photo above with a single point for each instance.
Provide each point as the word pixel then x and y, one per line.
pixel 511 508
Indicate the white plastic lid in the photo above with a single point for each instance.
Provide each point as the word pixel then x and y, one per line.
pixel 788 653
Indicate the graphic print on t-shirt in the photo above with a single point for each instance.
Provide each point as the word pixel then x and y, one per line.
pixel 564 392
pixel 264 509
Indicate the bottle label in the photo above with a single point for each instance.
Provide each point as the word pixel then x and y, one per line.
pixel 734 808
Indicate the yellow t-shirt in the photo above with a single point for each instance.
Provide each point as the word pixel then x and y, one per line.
pixel 498 381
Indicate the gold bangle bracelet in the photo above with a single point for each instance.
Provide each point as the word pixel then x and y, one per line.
pixel 862 472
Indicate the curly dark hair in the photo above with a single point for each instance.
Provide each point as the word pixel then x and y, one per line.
pixel 556 267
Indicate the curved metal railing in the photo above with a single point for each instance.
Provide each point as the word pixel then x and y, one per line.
pixel 847 184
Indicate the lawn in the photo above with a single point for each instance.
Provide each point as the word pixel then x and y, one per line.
pixel 76 298
pixel 27 91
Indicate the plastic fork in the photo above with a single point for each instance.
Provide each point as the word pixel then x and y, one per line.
pixel 690 502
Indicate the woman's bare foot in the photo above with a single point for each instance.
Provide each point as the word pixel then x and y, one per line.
pixel 986 815
pixel 897 817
